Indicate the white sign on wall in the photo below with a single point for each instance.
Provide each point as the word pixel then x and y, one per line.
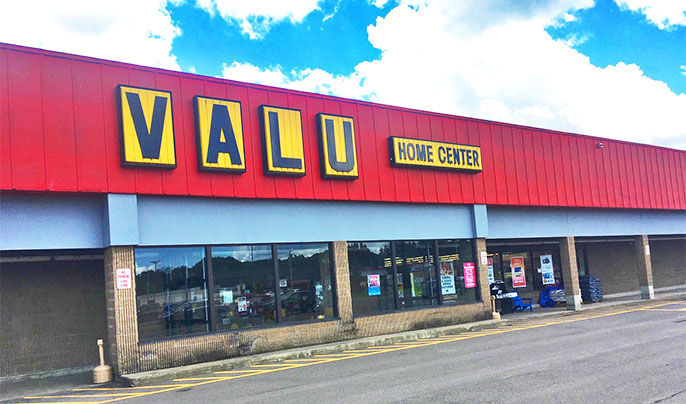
pixel 123 278
pixel 484 258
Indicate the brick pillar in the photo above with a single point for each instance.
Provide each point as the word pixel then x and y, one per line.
pixel 122 327
pixel 482 267
pixel 645 267
pixel 570 273
pixel 342 274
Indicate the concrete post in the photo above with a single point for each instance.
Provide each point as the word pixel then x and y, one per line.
pixel 342 274
pixel 570 273
pixel 482 266
pixel 645 267
pixel 122 321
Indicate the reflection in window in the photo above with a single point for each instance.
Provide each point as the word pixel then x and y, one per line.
pixel 243 286
pixel 371 277
pixel 416 278
pixel 458 271
pixel 305 282
pixel 171 292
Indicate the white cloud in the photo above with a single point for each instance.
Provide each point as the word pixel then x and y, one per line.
pixel 133 31
pixel 255 17
pixel 505 68
pixel 663 13
pixel 378 3
pixel 312 80
pixel 683 70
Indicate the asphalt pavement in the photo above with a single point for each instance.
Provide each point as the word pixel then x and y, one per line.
pixel 614 354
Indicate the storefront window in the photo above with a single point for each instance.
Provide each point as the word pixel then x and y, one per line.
pixel 494 262
pixel 371 277
pixel 305 285
pixel 416 275
pixel 243 286
pixel 543 262
pixel 517 271
pixel 171 292
pixel 535 268
pixel 581 261
pixel 458 271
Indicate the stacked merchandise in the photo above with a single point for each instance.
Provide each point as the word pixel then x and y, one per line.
pixel 557 294
pixel 591 289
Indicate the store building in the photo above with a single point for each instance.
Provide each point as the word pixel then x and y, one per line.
pixel 185 219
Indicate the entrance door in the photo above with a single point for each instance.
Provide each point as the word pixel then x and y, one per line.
pixel 530 258
pixel 52 312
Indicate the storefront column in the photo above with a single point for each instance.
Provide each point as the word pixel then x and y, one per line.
pixel 570 273
pixel 645 267
pixel 122 327
pixel 482 265
pixel 342 273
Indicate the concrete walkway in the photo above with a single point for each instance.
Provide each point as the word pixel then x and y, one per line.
pixel 11 388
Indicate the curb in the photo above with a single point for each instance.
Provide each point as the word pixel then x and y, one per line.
pixel 164 375
pixel 160 375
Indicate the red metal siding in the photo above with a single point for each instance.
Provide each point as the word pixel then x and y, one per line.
pixel 59 131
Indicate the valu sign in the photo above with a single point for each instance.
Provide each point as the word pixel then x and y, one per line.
pixel 147 139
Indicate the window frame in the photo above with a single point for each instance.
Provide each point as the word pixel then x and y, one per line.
pixel 210 287
pixel 435 272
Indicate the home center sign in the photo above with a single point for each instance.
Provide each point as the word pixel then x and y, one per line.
pixel 147 139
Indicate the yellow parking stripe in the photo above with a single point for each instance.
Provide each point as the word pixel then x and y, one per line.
pixel 81 396
pixel 358 351
pixel 129 388
pixel 327 358
pixel 235 371
pixel 65 402
pixel 269 365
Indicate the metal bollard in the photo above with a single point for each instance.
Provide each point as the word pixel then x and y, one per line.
pixel 102 373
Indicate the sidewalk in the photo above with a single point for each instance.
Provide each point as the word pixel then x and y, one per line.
pixel 13 388
pixel 624 299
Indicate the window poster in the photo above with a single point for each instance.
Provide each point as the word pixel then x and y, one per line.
pixel 547 269
pixel 518 276
pixel 374 285
pixel 242 304
pixel 416 281
pixel 491 275
pixel 469 275
pixel 447 278
pixel 399 282
pixel 226 295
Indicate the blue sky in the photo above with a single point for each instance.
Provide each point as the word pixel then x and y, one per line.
pixel 610 68
pixel 209 41
pixel 614 35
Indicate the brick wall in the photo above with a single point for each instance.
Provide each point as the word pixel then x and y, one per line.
pixel 615 264
pixel 669 262
pixel 51 315
pixel 128 356
pixel 122 327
